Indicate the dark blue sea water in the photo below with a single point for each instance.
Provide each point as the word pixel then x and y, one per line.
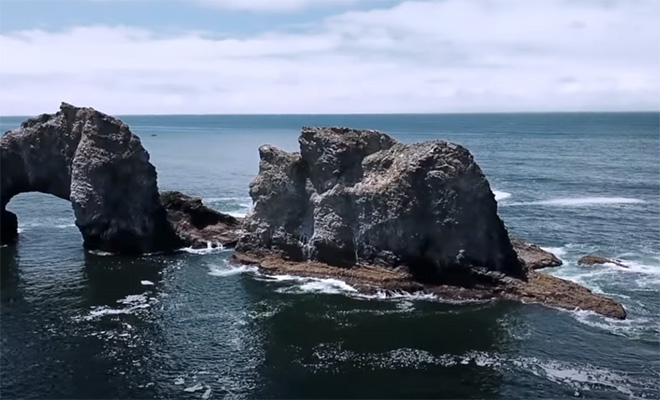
pixel 80 325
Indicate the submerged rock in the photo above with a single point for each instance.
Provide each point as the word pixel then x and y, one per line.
pixel 362 207
pixel 93 160
pixel 198 225
pixel 594 259
pixel 533 256
pixel 355 197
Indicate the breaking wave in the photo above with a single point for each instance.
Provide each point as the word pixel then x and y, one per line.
pixel 235 206
pixel 559 252
pixel 210 248
pixel 225 270
pixel 499 195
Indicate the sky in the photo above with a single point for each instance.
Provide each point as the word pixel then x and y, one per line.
pixel 329 56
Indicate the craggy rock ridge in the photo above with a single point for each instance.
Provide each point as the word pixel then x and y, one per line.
pixel 594 259
pixel 360 198
pixel 533 256
pixel 198 225
pixel 94 161
pixel 379 214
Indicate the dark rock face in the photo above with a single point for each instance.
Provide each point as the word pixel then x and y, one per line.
pixel 594 259
pixel 8 227
pixel 355 197
pixel 93 160
pixel 197 225
pixel 533 256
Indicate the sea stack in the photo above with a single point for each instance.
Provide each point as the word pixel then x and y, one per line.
pixel 359 205
pixel 96 162
pixel 358 197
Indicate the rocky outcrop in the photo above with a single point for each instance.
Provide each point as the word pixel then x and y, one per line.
pixel 198 225
pixel 355 197
pixel 539 288
pixel 594 259
pixel 533 256
pixel 381 215
pixel 93 160
pixel 97 163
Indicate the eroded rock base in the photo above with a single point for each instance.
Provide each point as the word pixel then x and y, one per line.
pixel 539 288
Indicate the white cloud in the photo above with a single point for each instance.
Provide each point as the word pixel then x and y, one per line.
pixel 270 5
pixel 446 56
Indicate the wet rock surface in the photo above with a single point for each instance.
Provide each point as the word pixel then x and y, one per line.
pixel 197 225
pixel 539 288
pixel 594 259
pixel 533 256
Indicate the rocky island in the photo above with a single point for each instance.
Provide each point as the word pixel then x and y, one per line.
pixel 379 214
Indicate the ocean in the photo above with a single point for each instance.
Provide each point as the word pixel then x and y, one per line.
pixel 187 325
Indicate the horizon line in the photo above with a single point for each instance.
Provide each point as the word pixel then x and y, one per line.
pixel 357 114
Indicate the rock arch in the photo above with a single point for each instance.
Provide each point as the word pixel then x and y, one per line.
pixel 97 163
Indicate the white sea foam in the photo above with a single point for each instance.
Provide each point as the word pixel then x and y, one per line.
pixel 644 268
pixel 327 286
pixel 315 285
pixel 210 249
pixel 336 286
pixel 100 253
pixel 226 270
pixel 559 252
pixel 580 202
pixel 132 304
pixel 399 295
pixel 631 328
pixel 579 377
pixel 499 195
pixel 133 299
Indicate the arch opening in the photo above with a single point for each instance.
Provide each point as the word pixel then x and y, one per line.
pixel 94 161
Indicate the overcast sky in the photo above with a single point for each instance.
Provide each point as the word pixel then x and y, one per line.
pixel 329 56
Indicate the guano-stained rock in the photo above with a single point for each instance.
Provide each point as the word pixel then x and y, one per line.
pixel 381 215
pixel 355 197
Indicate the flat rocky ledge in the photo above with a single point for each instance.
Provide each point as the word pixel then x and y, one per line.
pixel 539 288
